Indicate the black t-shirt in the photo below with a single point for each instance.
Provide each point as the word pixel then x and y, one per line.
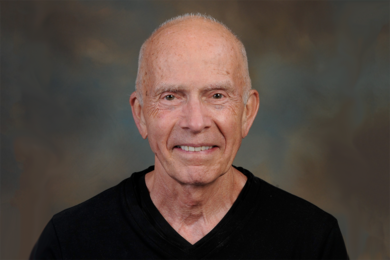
pixel 122 222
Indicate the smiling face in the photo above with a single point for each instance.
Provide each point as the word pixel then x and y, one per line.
pixel 193 111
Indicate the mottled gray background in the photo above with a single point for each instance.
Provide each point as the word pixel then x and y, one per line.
pixel 322 132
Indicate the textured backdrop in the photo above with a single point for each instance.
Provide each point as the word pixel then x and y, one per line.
pixel 322 132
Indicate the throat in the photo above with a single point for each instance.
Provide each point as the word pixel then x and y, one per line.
pixel 193 233
pixel 193 211
pixel 193 220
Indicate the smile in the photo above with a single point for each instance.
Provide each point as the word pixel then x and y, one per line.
pixel 195 149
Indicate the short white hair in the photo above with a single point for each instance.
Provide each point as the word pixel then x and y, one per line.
pixel 139 79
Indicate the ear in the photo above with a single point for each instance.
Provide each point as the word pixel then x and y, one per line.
pixel 250 112
pixel 138 115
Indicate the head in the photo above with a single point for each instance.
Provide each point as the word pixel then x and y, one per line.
pixel 193 98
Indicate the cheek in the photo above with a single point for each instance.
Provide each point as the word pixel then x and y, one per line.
pixel 233 125
pixel 157 135
pixel 151 111
pixel 160 123
pixel 231 115
pixel 229 125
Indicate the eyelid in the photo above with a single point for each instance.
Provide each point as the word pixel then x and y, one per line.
pixel 175 96
pixel 163 95
pixel 221 92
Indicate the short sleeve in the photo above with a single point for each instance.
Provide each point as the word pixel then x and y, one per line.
pixel 48 246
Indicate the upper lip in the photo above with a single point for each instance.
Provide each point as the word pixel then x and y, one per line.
pixel 195 145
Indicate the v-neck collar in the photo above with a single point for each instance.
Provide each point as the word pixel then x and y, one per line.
pixel 153 227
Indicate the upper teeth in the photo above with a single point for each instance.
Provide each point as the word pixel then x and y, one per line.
pixel 195 149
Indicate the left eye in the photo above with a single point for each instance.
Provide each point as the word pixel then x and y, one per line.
pixel 169 97
pixel 217 96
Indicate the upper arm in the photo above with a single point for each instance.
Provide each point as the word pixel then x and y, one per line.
pixel 334 247
pixel 47 246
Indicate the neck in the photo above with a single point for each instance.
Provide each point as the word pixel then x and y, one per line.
pixel 194 210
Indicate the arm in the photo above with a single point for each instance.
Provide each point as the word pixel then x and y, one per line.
pixel 335 247
pixel 48 246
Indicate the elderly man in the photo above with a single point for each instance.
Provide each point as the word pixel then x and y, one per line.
pixel 194 103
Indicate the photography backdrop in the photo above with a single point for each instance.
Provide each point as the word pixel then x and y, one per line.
pixel 322 131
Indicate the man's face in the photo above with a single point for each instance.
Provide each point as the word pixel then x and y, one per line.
pixel 192 105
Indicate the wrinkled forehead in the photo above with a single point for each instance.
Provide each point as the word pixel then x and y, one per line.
pixel 195 33
pixel 192 41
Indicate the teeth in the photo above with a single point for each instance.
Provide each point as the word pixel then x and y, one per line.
pixel 195 149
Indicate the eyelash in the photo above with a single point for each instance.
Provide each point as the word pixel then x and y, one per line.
pixel 167 97
pixel 220 96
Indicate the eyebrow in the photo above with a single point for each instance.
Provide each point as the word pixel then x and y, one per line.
pixel 219 86
pixel 223 85
pixel 169 88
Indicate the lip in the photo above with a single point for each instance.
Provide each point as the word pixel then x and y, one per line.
pixel 178 148
pixel 195 145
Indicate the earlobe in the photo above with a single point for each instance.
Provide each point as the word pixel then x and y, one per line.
pixel 250 111
pixel 138 115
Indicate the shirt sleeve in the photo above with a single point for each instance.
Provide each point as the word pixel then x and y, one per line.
pixel 335 246
pixel 48 246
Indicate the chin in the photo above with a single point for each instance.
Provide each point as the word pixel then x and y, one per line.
pixel 196 175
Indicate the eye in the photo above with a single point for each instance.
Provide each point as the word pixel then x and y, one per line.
pixel 217 96
pixel 169 97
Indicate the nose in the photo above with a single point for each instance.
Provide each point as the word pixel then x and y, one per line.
pixel 195 116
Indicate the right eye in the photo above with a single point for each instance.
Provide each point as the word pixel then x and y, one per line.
pixel 217 96
pixel 169 97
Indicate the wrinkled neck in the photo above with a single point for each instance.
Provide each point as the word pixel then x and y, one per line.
pixel 187 207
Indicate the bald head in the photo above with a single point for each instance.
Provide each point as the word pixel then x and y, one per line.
pixel 189 37
pixel 197 102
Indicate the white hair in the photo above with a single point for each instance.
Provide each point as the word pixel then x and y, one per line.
pixel 139 80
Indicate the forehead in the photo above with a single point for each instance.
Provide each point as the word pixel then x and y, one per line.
pixel 193 52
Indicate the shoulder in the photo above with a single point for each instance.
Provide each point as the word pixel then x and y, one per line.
pixel 278 200
pixel 277 207
pixel 287 226
pixel 71 233
pixel 107 204
pixel 302 225
pixel 108 207
pixel 90 229
pixel 91 210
